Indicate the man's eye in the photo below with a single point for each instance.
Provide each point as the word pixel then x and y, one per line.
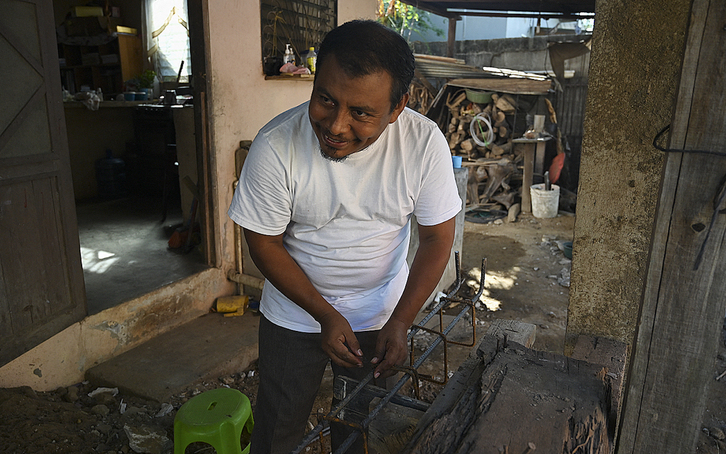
pixel 326 100
pixel 360 113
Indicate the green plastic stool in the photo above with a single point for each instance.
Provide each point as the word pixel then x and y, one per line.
pixel 216 417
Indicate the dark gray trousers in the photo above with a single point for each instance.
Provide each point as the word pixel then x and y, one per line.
pixel 291 366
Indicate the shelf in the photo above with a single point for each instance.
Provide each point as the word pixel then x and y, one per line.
pixel 108 76
pixel 296 77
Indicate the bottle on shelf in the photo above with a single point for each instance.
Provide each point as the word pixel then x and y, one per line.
pixel 311 59
pixel 289 55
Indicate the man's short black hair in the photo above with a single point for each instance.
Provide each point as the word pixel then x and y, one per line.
pixel 363 47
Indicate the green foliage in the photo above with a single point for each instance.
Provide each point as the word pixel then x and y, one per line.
pixel 405 19
pixel 146 79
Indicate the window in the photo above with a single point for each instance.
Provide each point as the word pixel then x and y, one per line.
pixel 167 38
pixel 300 23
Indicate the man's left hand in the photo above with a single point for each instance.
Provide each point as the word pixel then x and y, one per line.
pixel 391 348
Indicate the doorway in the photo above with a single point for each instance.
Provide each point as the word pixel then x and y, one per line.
pixel 129 203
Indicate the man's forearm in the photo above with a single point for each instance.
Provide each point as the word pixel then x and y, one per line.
pixel 285 274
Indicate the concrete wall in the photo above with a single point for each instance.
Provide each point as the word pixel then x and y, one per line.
pixel 242 101
pixel 634 71
pixel 63 359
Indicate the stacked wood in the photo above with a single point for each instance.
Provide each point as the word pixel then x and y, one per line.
pixel 488 152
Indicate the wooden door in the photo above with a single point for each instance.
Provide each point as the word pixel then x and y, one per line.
pixel 684 299
pixel 41 280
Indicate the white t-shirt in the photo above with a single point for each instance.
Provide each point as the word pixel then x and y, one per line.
pixel 346 224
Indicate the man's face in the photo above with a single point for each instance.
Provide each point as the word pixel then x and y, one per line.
pixel 348 114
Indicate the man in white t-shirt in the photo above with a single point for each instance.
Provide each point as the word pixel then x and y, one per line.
pixel 325 198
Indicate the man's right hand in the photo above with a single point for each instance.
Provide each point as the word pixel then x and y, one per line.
pixel 339 341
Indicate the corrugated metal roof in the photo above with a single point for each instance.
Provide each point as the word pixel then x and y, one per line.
pixel 455 8
pixel 450 68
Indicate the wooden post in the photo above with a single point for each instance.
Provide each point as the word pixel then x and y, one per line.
pixel 529 167
pixel 539 155
pixel 527 177
pixel 451 38
pixel 683 304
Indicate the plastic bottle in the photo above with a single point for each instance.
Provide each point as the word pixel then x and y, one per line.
pixel 311 59
pixel 289 55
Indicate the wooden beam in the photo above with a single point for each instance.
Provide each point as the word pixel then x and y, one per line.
pixel 451 38
pixel 683 305
pixel 507 85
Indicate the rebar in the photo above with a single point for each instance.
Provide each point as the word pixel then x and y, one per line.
pixel 408 372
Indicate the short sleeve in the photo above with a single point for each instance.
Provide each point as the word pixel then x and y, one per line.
pixel 262 201
pixel 438 199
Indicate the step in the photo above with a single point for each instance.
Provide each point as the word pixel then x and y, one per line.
pixel 206 348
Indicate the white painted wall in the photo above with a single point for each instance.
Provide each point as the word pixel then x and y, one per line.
pixel 242 101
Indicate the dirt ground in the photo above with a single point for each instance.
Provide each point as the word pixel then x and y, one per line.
pixel 527 279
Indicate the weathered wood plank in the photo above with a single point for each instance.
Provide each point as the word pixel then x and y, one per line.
pixel 506 85
pixel 514 331
pixel 683 307
pixel 514 398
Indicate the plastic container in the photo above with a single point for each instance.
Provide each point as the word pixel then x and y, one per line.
pixel 544 203
pixel 478 97
pixel 311 60
pixel 111 176
pixel 456 160
pixel 289 56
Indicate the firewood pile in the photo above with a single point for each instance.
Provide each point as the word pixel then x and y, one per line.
pixel 481 133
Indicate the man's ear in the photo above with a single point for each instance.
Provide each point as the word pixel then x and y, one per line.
pixel 399 108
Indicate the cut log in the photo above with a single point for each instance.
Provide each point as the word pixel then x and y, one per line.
pixel 497 174
pixel 503 132
pixel 468 145
pixel 506 103
pixel 499 118
pixel 505 198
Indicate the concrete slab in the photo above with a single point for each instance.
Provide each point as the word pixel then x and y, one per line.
pixel 207 347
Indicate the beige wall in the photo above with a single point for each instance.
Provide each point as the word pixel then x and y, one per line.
pixel 634 71
pixel 242 101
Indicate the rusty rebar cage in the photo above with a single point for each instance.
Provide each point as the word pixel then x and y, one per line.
pixel 411 371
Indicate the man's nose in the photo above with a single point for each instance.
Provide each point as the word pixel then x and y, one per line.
pixel 339 121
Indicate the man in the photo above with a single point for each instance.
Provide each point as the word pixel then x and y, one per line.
pixel 325 199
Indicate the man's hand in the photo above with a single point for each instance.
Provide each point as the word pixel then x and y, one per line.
pixel 339 342
pixel 391 348
pixel 433 253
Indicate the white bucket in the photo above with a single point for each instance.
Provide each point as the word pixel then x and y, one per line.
pixel 544 203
